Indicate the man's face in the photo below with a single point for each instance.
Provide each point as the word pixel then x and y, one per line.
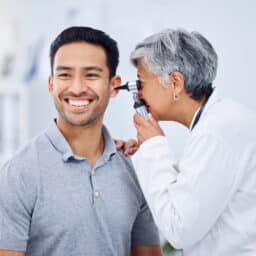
pixel 156 96
pixel 80 85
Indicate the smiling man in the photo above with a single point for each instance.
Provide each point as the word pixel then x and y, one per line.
pixel 69 191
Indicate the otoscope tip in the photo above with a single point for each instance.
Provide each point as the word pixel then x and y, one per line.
pixel 122 87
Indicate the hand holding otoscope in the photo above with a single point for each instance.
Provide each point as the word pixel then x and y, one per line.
pixel 139 104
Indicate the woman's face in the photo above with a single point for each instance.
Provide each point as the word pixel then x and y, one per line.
pixel 157 96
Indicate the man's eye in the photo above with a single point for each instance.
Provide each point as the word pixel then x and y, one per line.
pixel 92 75
pixel 64 75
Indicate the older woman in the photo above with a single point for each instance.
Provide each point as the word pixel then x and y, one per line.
pixel 205 202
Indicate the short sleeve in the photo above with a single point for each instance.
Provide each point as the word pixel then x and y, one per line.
pixel 144 230
pixel 16 206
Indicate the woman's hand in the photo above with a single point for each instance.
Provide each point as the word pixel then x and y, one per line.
pixel 129 147
pixel 146 129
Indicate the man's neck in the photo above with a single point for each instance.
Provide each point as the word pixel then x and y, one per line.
pixel 85 141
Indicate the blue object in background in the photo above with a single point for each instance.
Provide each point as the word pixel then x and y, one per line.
pixel 34 55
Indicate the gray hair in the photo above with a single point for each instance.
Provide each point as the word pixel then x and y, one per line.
pixel 178 50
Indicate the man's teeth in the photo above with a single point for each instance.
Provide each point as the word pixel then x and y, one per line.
pixel 79 103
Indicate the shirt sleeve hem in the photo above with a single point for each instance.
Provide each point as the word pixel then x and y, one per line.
pixel 17 245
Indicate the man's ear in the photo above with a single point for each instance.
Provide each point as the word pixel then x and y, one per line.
pixel 177 81
pixel 114 83
pixel 50 85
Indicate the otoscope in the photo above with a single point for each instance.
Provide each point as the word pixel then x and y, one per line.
pixel 139 105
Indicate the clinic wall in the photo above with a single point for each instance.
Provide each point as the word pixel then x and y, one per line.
pixel 229 25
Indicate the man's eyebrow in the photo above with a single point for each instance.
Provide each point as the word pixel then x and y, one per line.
pixel 63 68
pixel 91 68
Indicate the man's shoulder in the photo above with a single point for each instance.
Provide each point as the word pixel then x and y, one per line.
pixel 26 157
pixel 119 157
pixel 126 168
pixel 126 160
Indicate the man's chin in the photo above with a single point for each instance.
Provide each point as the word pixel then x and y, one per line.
pixel 81 123
pixel 78 122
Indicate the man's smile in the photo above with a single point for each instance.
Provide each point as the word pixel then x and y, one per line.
pixel 78 103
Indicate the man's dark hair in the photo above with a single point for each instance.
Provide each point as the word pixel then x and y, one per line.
pixel 88 35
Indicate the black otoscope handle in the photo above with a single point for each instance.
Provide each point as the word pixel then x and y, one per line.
pixel 140 107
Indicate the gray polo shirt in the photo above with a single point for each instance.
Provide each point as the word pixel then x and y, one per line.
pixel 53 204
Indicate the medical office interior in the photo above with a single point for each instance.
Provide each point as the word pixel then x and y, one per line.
pixel 28 27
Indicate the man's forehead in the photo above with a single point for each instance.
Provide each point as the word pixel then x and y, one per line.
pixel 80 51
pixel 84 47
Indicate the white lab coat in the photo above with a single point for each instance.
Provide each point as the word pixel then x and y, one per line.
pixel 206 202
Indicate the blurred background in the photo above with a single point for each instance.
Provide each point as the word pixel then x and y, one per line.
pixel 28 27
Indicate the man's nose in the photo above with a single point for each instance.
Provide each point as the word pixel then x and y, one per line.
pixel 79 85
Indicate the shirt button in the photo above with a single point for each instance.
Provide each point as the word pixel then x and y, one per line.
pixel 97 194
